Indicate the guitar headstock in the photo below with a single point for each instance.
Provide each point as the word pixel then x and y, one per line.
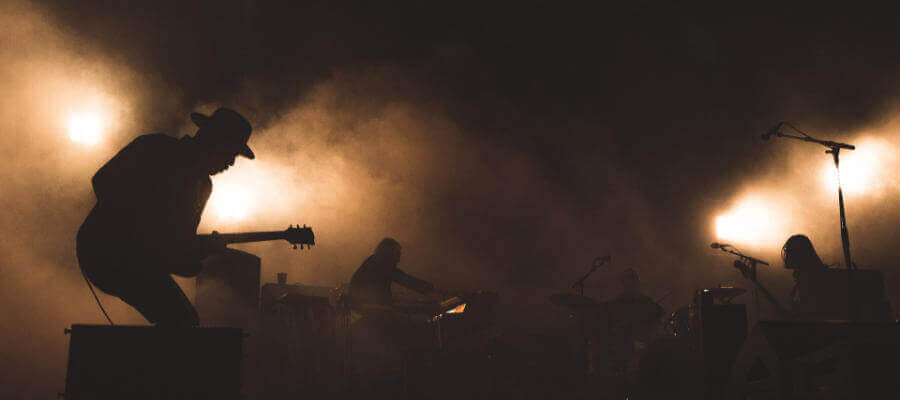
pixel 300 235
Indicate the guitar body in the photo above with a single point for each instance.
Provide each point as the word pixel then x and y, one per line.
pixel 135 265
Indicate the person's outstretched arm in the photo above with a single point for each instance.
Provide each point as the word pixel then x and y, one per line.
pixel 411 282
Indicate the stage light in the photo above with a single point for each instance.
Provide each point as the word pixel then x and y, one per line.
pixel 230 203
pixel 257 192
pixel 86 127
pixel 861 169
pixel 753 221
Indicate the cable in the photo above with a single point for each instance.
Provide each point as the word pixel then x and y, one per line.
pixel 795 128
pixel 86 280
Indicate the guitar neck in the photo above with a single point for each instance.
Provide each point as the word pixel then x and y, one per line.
pixel 781 310
pixel 248 237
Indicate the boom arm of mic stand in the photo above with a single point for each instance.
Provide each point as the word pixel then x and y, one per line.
pixel 579 284
pixel 826 143
pixel 580 281
pixel 744 257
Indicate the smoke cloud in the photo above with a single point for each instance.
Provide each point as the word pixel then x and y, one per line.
pixel 47 78
pixel 495 168
pixel 362 155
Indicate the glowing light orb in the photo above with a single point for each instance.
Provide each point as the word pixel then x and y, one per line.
pixel 861 169
pixel 86 127
pixel 230 203
pixel 752 222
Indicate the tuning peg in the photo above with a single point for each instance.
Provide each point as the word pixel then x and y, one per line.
pixel 295 247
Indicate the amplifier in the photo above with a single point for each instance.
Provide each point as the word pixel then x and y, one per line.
pixel 236 269
pixel 723 328
pixel 228 289
pixel 148 362
pixel 822 360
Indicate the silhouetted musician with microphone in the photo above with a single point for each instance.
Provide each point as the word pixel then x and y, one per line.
pixel 143 228
pixel 820 292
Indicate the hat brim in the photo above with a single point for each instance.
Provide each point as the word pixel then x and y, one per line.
pixel 199 119
pixel 202 120
pixel 246 152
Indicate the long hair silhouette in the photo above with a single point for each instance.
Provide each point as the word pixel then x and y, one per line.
pixel 799 254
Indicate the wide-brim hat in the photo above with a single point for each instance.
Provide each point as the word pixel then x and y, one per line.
pixel 226 126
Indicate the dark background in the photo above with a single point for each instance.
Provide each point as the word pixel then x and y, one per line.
pixel 529 138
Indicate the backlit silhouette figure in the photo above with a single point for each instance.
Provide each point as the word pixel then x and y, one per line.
pixel 150 197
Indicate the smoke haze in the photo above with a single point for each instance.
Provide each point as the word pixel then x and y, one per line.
pixel 501 159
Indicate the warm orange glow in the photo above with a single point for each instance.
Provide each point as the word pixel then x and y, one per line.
pixel 754 221
pixel 231 202
pixel 457 310
pixel 253 193
pixel 862 170
pixel 86 127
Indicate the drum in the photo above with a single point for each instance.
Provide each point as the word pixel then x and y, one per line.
pixel 683 322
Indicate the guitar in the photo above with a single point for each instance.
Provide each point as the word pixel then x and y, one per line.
pixel 750 274
pixel 293 235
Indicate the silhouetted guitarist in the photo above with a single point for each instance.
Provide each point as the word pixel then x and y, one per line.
pixel 143 228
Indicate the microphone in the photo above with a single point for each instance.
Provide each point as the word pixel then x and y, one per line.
pixel 601 260
pixel 717 245
pixel 772 131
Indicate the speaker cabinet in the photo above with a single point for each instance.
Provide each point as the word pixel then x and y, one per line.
pixel 147 362
pixel 228 289
pixel 723 329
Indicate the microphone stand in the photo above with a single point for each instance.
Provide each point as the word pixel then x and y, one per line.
pixel 752 263
pixel 744 257
pixel 579 284
pixel 835 151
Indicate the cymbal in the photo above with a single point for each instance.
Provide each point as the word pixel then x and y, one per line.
pixel 571 300
pixel 725 292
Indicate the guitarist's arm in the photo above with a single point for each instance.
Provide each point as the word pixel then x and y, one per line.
pixel 188 248
pixel 412 282
pixel 198 247
pixel 184 256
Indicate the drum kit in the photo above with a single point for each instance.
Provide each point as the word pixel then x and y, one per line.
pixel 628 341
